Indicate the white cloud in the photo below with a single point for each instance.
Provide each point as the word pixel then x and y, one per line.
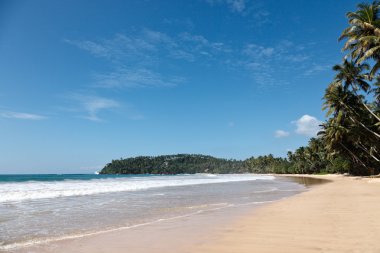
pixel 95 108
pixel 21 115
pixel 308 125
pixel 93 105
pixel 281 134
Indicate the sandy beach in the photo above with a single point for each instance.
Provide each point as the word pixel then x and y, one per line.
pixel 340 216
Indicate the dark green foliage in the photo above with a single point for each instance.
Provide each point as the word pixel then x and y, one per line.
pixel 314 159
pixel 173 164
pixel 184 163
pixel 267 164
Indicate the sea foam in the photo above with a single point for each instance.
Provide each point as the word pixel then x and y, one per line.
pixel 21 191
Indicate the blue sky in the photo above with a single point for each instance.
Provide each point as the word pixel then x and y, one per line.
pixel 85 82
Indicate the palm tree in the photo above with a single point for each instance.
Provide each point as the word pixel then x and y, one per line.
pixel 343 104
pixel 352 131
pixel 344 131
pixel 339 140
pixel 350 76
pixel 363 33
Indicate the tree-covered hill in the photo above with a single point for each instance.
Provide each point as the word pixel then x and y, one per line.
pixel 187 163
pixel 173 164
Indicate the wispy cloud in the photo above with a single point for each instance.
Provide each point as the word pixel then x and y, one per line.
pixel 132 78
pixel 260 16
pixel 149 46
pixel 257 51
pixel 98 108
pixel 200 47
pixel 92 47
pixel 237 5
pixel 267 64
pixel 307 125
pixel 234 5
pixel 281 134
pixel 254 11
pixel 140 58
pixel 92 106
pixel 21 115
pixel 116 48
pixel 283 51
pixel 317 68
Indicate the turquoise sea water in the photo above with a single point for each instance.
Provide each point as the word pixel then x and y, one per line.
pixel 57 177
pixel 42 208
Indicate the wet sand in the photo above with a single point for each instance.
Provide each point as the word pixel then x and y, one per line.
pixel 341 216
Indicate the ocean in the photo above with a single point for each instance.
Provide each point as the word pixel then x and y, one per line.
pixel 45 208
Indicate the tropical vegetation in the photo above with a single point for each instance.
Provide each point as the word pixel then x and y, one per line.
pixel 173 164
pixel 352 100
pixel 189 163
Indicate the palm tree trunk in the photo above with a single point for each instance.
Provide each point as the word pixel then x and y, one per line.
pixel 352 154
pixel 366 128
pixel 362 147
pixel 370 111
pixel 365 105
pixel 358 122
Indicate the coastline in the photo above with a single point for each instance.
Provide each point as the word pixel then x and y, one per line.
pixel 336 217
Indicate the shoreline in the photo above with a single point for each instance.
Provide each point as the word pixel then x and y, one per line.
pixel 213 214
pixel 316 220
pixel 217 218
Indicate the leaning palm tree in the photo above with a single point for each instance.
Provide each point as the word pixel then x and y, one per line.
pixel 342 104
pixel 346 124
pixel 351 77
pixel 338 140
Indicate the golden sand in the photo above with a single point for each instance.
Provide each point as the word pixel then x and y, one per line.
pixel 342 216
